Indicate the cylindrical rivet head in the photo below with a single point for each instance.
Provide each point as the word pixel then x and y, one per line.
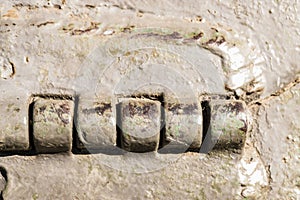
pixel 140 124
pixel 52 125
pixel 95 125
pixel 183 126
pixel 227 126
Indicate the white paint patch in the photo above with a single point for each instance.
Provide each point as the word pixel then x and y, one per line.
pixel 252 173
pixel 108 32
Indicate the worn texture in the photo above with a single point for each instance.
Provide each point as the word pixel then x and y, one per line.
pixel 52 125
pixel 228 123
pixel 183 125
pixel 140 124
pixel 278 143
pixel 245 50
pixel 95 124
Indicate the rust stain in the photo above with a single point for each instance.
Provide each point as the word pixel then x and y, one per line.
pixel 44 24
pixel 12 13
pixel 93 26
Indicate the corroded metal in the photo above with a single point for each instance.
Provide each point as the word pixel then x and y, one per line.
pixel 143 125
pixel 140 124
pixel 95 125
pixel 135 124
pixel 228 124
pixel 52 125
pixel 183 125
pixel 14 134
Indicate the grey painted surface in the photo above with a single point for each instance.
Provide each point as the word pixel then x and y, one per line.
pixel 46 45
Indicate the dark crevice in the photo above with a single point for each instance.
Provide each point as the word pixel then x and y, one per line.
pixel 30 128
pixel 54 96
pixel 118 126
pixel 287 87
pixel 3 173
pixel 75 139
pixel 44 24
pixel 206 145
pixel 90 6
pixel 13 69
pixel 206 113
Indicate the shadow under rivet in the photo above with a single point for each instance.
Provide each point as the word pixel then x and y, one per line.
pixel 3 181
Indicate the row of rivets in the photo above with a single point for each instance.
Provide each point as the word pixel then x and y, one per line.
pixel 134 124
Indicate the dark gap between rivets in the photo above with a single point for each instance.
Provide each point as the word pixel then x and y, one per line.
pixel 30 128
pixel 3 173
pixel 206 115
pixel 75 139
pixel 118 125
pixel 206 138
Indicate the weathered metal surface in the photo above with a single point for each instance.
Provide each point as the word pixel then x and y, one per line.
pixel 178 126
pixel 227 125
pixel 183 123
pixel 52 125
pixel 14 135
pixel 140 124
pixel 44 44
pixel 95 123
